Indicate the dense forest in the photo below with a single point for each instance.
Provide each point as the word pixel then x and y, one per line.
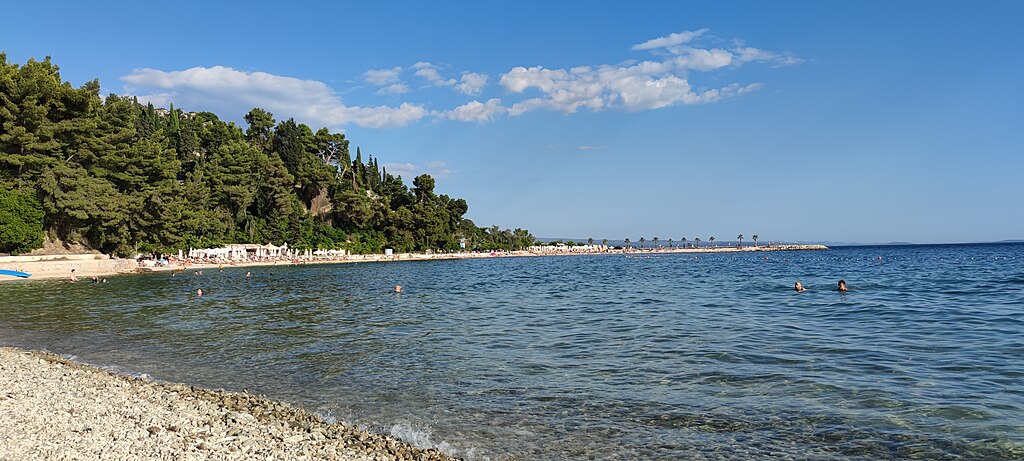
pixel 125 178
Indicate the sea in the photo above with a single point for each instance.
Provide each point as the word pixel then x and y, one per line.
pixel 664 356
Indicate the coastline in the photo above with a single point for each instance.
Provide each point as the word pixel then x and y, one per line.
pixel 56 408
pixel 98 265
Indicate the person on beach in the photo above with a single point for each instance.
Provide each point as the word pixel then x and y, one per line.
pixel 841 286
pixel 73 277
pixel 798 286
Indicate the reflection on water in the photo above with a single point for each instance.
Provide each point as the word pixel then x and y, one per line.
pixel 594 356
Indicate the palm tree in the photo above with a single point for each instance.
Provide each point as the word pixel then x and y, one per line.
pixel 642 240
pixel 740 238
pixel 696 241
pixel 655 242
pixel 627 242
pixel 670 243
pixel 754 238
pixel 712 239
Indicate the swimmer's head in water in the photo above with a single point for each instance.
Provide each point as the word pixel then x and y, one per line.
pixel 398 288
pixel 842 285
pixel 798 286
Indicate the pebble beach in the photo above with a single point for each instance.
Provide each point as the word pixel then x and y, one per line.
pixel 55 409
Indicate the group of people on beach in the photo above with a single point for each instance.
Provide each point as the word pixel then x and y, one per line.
pixel 841 286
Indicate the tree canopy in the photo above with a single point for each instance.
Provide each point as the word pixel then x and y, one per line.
pixel 123 177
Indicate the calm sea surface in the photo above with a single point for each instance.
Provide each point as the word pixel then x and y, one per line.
pixel 591 357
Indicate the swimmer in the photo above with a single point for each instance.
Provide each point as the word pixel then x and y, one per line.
pixel 73 278
pixel 199 292
pixel 398 288
pixel 103 281
pixel 798 286
pixel 248 274
pixel 841 286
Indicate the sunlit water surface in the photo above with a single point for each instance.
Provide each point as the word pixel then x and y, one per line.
pixel 591 357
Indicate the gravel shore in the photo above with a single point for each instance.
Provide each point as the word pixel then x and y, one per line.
pixel 55 409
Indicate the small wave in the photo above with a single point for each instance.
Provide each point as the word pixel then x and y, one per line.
pixel 422 438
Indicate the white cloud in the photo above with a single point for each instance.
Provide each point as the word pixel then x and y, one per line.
pixel 587 147
pixel 381 77
pixel 636 86
pixel 229 91
pixel 400 169
pixel 395 88
pixel 751 54
pixel 670 40
pixel 702 60
pixel 664 80
pixel 476 111
pixel 410 170
pixel 642 86
pixel 430 73
pixel 472 83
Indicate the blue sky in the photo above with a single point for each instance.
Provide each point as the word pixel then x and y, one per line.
pixel 854 121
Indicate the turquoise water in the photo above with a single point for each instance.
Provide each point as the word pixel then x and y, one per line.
pixel 591 357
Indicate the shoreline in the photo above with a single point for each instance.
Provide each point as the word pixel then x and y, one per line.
pixel 55 407
pixel 98 265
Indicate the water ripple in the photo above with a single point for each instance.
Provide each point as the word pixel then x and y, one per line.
pixel 669 357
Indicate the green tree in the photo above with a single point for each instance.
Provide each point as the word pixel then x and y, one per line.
pixel 292 141
pixel 21 222
pixel 739 238
pixel 260 132
pixel 123 177
pixel 754 238
pixel 423 187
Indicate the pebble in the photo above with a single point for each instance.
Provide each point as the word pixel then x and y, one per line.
pixel 173 420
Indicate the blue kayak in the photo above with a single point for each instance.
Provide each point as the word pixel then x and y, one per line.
pixel 23 275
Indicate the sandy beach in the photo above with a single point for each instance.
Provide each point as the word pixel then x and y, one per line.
pixel 96 265
pixel 53 408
